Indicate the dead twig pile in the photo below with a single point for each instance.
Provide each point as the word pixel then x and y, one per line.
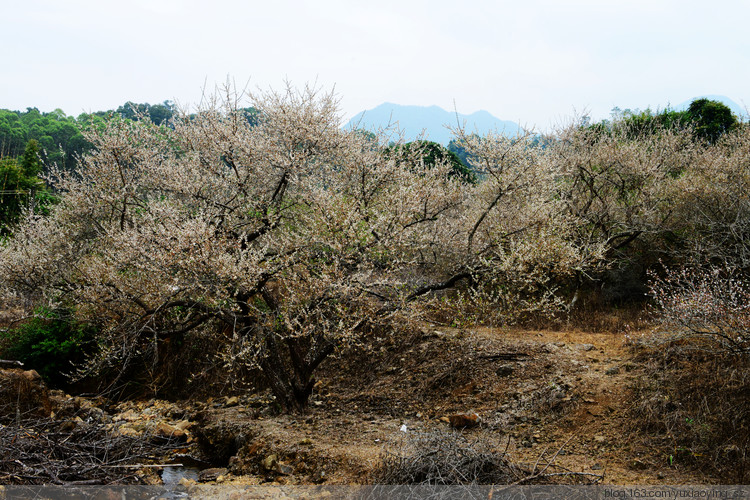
pixel 445 458
pixel 46 451
pixel 450 458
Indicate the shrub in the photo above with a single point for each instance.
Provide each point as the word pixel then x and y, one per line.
pixel 50 343
pixel 445 458
pixel 709 304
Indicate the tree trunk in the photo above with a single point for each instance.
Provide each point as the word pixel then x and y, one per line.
pixel 288 368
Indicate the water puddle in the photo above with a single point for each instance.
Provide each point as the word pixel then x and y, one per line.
pixel 184 467
pixel 171 476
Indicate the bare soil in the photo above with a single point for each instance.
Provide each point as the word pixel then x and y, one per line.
pixel 539 394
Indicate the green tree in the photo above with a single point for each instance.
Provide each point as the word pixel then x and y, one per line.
pixel 21 186
pixel 31 163
pixel 432 153
pixel 16 191
pixel 711 119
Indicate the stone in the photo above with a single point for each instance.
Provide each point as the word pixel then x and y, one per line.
pixel 463 420
pixel 32 375
pixel 23 393
pixel 208 475
pixel 168 431
pixel 127 430
pixel 587 347
pixel 128 416
pixel 187 482
pixel 184 425
pixel 270 462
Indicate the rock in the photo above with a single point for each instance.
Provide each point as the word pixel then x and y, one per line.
pixel 167 431
pixel 187 482
pixel 464 420
pixel 23 394
pixel 184 425
pixel 587 347
pixel 208 475
pixel 31 376
pixel 128 416
pixel 270 462
pixel 129 431
pixel 596 467
pixel 505 370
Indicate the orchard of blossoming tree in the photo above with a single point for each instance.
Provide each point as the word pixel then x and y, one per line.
pixel 284 239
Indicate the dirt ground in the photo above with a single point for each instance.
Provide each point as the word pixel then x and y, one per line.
pixel 561 396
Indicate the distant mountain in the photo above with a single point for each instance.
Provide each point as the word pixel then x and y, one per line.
pixel 432 120
pixel 738 110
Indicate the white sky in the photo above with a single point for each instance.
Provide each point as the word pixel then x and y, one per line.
pixel 538 62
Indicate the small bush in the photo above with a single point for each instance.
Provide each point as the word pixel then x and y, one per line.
pixel 445 458
pixel 51 343
pixel 711 306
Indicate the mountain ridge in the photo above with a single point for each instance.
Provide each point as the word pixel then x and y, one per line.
pixel 428 122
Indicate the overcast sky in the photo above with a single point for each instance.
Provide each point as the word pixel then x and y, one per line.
pixel 538 62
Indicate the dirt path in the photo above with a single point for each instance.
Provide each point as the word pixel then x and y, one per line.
pixel 543 393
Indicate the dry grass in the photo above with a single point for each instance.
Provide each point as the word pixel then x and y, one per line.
pixel 693 408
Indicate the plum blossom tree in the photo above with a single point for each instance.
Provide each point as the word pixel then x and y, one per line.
pixel 280 232
pixel 292 236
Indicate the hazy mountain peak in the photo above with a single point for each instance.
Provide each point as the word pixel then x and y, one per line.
pixel 432 120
